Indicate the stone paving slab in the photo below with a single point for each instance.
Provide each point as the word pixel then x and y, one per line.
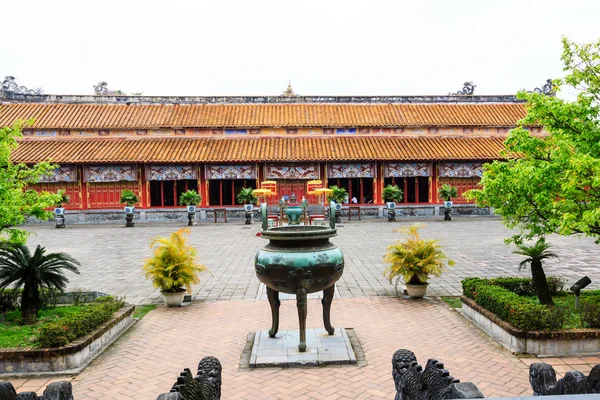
pixel 112 256
pixel 282 350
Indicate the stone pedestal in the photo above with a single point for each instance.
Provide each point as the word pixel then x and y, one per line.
pixel 282 350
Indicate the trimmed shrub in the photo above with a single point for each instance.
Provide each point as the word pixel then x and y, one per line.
pixel 510 307
pixel 524 286
pixel 469 286
pixel 71 327
pixel 590 315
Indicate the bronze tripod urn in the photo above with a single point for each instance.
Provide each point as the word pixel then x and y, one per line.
pixel 299 259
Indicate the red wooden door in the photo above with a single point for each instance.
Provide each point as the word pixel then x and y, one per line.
pixel 286 187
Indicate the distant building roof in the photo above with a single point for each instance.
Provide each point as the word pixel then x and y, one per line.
pixel 134 116
pixel 254 149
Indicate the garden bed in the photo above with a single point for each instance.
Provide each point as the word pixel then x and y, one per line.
pixel 66 340
pixel 527 326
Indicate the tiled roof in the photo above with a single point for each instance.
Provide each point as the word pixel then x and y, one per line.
pixel 186 150
pixel 94 116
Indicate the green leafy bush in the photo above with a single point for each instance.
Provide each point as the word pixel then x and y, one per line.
pixel 510 307
pixel 517 285
pixel 67 329
pixel 524 286
pixel 590 315
pixel 469 286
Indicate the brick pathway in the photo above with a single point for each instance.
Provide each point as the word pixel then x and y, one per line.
pixel 112 256
pixel 146 360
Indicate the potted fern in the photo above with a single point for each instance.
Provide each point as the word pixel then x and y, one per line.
pixel 59 211
pixel 338 195
pixel 447 193
pixel 130 199
pixel 414 260
pixel 190 199
pixel 247 198
pixel 392 194
pixel 173 267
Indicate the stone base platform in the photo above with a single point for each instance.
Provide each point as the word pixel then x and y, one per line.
pixel 282 350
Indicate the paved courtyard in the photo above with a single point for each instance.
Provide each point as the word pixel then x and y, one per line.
pixel 112 256
pixel 146 360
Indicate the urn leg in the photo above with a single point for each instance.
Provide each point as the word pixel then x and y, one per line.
pixel 327 299
pixel 273 297
pixel 301 304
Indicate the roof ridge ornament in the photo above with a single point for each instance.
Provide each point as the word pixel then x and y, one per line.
pixel 467 90
pixel 101 89
pixel 9 85
pixel 289 92
pixel 548 88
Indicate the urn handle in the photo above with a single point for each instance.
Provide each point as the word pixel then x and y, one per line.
pixel 332 214
pixel 265 220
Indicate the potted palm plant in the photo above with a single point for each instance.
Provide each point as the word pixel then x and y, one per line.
pixel 414 260
pixel 447 193
pixel 129 198
pixel 247 198
pixel 392 194
pixel 338 195
pixel 21 269
pixel 173 267
pixel 190 199
pixel 59 211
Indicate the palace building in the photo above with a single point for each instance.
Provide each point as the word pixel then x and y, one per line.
pixel 160 147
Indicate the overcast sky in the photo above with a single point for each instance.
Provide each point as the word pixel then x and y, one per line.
pixel 253 47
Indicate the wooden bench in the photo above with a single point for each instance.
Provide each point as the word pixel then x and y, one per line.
pixel 223 210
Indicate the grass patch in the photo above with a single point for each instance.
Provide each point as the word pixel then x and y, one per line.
pixel 140 311
pixel 453 302
pixel 13 334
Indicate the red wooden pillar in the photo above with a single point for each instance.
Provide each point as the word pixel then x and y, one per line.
pixel 202 186
pixel 379 181
pixel 83 190
pixel 434 183
pixel 144 187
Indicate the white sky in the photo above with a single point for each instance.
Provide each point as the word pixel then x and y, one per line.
pixel 253 47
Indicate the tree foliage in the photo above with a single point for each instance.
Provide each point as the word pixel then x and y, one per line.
pixel 20 268
pixel 17 201
pixel 551 183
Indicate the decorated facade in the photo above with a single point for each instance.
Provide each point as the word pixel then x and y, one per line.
pixel 161 147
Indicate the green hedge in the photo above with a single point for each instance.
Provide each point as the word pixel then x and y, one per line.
pixel 69 328
pixel 512 308
pixel 503 297
pixel 517 285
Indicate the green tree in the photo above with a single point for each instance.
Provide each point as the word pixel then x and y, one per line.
pixel 17 202
pixel 551 183
pixel 536 254
pixel 20 268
